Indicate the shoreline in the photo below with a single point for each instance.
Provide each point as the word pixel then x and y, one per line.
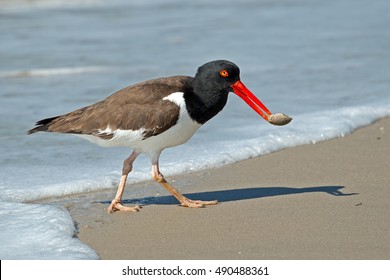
pixel 318 201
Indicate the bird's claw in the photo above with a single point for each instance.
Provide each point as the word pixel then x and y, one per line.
pixel 197 203
pixel 117 206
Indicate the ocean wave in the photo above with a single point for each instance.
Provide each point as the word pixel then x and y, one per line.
pixel 44 232
pixel 26 5
pixel 46 72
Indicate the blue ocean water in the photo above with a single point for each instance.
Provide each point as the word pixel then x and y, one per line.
pixel 325 63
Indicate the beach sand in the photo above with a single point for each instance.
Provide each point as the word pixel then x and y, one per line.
pixel 329 200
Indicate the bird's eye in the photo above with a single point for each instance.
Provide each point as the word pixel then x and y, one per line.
pixel 224 73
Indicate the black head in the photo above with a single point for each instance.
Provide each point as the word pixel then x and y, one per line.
pixel 217 76
pixel 211 85
pixel 210 88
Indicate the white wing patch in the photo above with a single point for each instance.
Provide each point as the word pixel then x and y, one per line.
pixel 123 135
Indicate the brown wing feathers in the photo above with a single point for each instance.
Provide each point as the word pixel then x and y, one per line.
pixel 134 107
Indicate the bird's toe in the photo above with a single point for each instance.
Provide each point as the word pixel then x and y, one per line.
pixel 197 203
pixel 117 206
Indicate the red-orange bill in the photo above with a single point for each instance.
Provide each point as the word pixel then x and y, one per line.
pixel 242 91
pixel 278 119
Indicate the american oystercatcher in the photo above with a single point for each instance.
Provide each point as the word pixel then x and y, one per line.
pixel 157 114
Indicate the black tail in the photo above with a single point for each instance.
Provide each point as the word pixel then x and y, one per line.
pixel 42 125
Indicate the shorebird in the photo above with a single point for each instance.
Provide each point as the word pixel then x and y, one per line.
pixel 157 114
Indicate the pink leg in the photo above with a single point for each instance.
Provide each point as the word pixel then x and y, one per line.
pixel 116 204
pixel 184 201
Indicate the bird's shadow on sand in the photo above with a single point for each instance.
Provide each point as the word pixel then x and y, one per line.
pixel 238 194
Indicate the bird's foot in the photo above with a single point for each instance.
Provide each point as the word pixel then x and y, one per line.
pixel 197 203
pixel 118 206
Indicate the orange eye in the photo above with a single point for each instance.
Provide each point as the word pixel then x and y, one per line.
pixel 224 73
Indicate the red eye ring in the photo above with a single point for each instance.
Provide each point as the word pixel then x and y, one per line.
pixel 224 73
